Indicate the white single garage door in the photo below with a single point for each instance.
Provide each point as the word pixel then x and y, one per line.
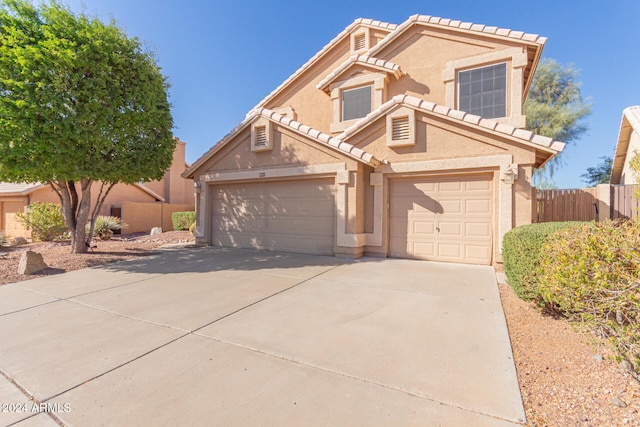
pixel 289 216
pixel 442 219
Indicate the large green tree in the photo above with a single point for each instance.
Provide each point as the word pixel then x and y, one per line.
pixel 600 174
pixel 555 108
pixel 81 105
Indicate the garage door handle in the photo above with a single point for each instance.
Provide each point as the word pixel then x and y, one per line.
pixel 438 227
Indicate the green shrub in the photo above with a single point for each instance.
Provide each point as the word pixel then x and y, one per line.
pixel 592 274
pixel 45 221
pixel 183 220
pixel 106 225
pixel 521 253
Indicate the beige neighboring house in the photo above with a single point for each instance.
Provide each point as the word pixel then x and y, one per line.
pixel 628 144
pixel 393 140
pixel 141 206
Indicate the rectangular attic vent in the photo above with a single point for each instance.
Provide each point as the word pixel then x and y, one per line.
pixel 261 136
pixel 400 128
pixel 359 41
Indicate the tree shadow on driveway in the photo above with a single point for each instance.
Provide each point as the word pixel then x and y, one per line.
pixel 193 259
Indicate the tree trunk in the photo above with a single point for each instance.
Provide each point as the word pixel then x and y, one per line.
pixel 75 210
pixel 78 236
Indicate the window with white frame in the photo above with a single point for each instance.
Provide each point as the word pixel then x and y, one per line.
pixel 356 103
pixel 483 91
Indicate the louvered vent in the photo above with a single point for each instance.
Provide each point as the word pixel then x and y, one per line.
pixel 261 136
pixel 400 128
pixel 359 41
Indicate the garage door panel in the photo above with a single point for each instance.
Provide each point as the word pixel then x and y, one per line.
pixel 450 229
pixel 456 226
pixel 475 229
pixel 478 185
pixel 289 216
pixel 450 186
pixel 449 251
pixel 477 253
pixel 478 207
pixel 451 206
pixel 424 228
pixel 426 248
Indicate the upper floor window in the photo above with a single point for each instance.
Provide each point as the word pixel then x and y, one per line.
pixel 483 91
pixel 356 103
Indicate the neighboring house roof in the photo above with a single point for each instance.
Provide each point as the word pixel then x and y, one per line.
pixel 18 189
pixel 322 138
pixel 630 123
pixel 539 142
pixel 366 61
pixel 23 189
pixel 150 192
pixel 358 22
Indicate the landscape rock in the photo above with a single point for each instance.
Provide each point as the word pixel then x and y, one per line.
pixel 626 366
pixel 17 241
pixel 31 263
pixel 156 230
pixel 619 403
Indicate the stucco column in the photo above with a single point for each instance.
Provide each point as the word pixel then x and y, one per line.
pixel 201 213
pixel 505 196
pixel 604 201
pixel 376 180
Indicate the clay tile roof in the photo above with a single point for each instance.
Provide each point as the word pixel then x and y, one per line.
pixel 320 137
pixel 525 136
pixel 365 60
pixel 326 48
pixel 467 26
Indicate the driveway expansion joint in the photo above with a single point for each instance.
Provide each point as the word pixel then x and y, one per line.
pixel 357 378
pixel 31 398
pixel 266 298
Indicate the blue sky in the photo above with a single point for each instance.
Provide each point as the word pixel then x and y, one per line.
pixel 223 57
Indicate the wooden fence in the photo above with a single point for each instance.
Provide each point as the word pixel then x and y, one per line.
pixel 587 204
pixel 624 201
pixel 577 204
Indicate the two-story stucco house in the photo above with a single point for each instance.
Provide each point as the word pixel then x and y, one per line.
pixel 393 140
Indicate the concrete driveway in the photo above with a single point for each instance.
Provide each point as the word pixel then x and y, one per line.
pixel 211 336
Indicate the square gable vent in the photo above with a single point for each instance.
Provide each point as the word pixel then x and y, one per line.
pixel 261 135
pixel 401 127
pixel 360 41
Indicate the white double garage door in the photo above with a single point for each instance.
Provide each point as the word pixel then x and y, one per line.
pixel 435 218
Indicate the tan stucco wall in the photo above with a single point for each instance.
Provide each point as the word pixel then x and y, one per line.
pixel 9 223
pixel 628 176
pixel 142 217
pixel 423 54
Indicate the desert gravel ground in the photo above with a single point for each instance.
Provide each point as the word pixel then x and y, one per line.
pixel 567 376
